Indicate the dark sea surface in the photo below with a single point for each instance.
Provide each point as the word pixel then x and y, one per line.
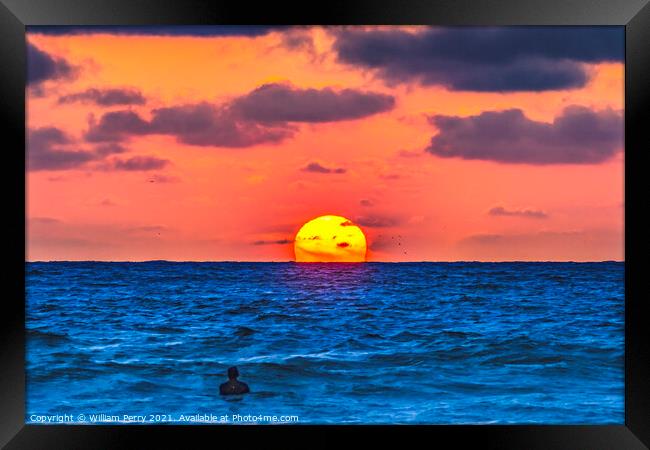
pixel 431 343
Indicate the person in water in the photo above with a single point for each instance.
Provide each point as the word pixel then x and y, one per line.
pixel 233 386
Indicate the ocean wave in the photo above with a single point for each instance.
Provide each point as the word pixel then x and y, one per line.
pixel 384 343
pixel 243 331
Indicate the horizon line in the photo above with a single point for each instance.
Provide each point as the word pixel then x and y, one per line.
pixel 321 262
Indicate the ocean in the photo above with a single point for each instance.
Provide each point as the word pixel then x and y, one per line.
pixel 371 343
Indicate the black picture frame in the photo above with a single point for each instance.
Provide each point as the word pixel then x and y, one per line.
pixel 15 15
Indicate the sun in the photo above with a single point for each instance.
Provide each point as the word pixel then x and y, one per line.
pixel 330 239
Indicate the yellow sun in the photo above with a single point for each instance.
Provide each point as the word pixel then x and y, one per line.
pixel 330 239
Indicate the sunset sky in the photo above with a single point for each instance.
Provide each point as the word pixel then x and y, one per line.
pixel 219 143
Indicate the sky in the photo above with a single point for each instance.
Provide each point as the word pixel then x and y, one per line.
pixel 217 143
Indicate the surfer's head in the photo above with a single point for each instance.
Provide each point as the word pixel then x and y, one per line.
pixel 233 373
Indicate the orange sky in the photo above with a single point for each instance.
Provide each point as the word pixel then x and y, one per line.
pixel 247 203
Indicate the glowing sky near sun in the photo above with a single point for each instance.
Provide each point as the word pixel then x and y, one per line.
pixel 219 143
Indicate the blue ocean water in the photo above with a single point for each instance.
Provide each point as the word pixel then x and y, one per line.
pixel 428 343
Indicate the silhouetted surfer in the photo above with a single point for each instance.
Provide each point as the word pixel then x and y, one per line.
pixel 233 386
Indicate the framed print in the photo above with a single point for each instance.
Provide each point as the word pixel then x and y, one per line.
pixel 241 223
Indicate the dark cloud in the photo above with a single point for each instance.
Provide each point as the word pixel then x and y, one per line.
pixel 383 242
pixel 139 163
pixel 110 148
pixel 483 59
pixel 530 213
pixel 48 148
pixel 204 124
pixel 578 136
pixel 378 221
pixel 318 168
pixel 199 124
pixel 42 66
pixel 284 103
pixel 116 126
pixel 276 242
pixel 156 30
pixel 366 202
pixel 106 97
pixel 265 115
pixel 158 178
pixel 300 39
